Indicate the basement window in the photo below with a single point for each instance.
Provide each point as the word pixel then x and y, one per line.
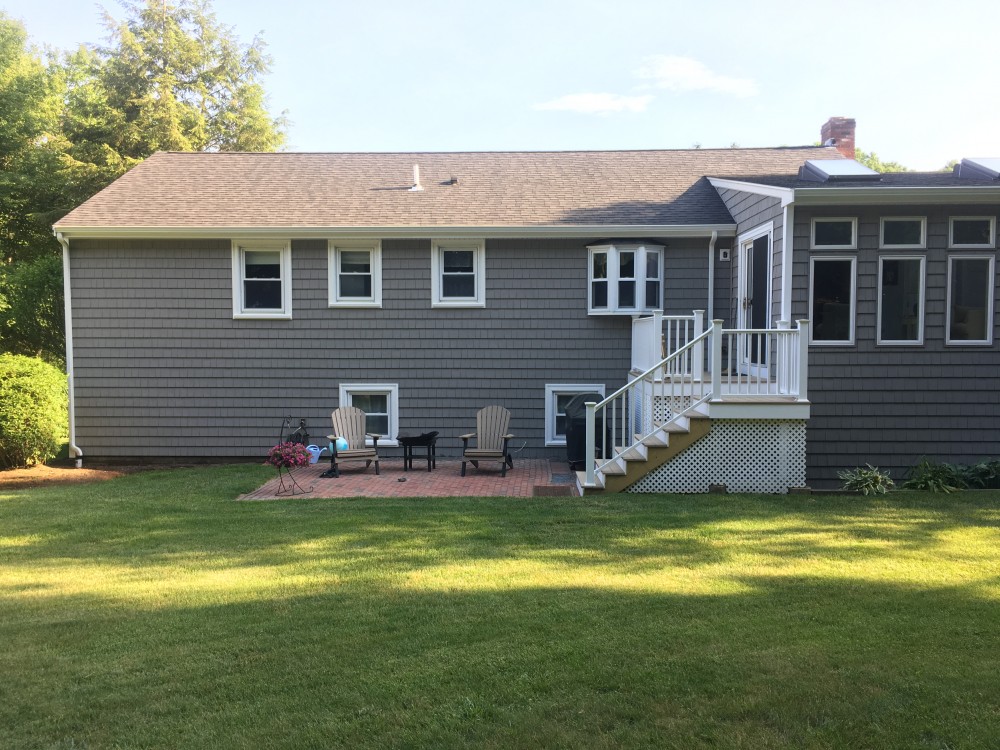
pixel 624 279
pixel 557 396
pixel 380 403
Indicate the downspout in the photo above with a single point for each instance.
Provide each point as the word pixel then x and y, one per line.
pixel 711 276
pixel 74 449
pixel 787 241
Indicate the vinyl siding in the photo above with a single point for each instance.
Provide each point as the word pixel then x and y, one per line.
pixel 891 405
pixel 162 368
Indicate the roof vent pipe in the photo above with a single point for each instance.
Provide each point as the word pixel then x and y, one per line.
pixel 416 179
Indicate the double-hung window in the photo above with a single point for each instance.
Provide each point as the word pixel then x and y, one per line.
pixel 624 278
pixel 355 274
pixel 262 279
pixel 832 284
pixel 557 397
pixel 380 403
pixel 901 299
pixel 970 299
pixel 458 273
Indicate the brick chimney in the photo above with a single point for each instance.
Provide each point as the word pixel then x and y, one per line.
pixel 839 132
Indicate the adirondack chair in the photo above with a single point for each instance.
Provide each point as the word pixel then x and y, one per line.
pixel 492 439
pixel 349 423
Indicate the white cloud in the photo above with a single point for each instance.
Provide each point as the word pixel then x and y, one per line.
pixel 597 104
pixel 687 74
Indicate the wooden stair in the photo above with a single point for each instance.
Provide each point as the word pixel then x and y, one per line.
pixel 650 453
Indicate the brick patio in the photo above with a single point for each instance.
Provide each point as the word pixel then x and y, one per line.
pixel 528 478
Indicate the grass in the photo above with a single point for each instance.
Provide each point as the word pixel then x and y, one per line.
pixel 150 611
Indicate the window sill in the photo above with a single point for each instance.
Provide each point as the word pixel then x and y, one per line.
pixel 360 304
pixel 436 304
pixel 262 316
pixel 561 443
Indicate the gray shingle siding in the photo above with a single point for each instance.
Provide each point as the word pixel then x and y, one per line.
pixel 890 405
pixel 750 210
pixel 163 369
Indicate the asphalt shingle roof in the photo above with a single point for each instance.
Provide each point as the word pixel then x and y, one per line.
pixel 493 189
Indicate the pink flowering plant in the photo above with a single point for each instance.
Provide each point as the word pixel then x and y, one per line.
pixel 288 455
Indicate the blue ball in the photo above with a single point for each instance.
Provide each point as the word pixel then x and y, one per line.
pixel 341 444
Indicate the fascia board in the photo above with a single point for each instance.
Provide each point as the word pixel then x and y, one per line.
pixel 520 232
pixel 896 195
pixel 786 195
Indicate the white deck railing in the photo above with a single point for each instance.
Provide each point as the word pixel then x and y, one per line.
pixel 743 364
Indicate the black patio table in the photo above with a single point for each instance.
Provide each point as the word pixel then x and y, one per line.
pixel 425 439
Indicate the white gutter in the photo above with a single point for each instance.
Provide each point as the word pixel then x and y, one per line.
pixel 711 276
pixel 787 243
pixel 589 231
pixel 74 449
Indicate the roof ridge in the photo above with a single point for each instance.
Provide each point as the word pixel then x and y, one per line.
pixel 498 152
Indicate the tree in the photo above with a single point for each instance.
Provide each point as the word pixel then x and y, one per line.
pixel 871 160
pixel 170 77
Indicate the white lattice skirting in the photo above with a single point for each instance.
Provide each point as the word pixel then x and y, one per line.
pixel 767 455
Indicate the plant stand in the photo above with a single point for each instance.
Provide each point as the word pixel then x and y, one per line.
pixel 292 487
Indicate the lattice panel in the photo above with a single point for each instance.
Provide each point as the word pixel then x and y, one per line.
pixel 662 408
pixel 767 456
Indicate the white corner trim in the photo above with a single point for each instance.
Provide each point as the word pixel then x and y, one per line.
pixel 74 449
pixel 787 257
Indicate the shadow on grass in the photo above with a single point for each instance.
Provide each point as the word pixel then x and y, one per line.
pixel 790 662
pixel 187 515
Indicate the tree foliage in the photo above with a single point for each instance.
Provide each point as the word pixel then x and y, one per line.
pixel 169 77
pixel 871 160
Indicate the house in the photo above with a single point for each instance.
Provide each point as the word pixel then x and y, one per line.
pixel 209 295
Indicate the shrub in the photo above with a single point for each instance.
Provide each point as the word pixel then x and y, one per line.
pixel 33 410
pixel 868 480
pixel 935 477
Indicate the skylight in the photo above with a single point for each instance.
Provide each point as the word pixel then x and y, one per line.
pixel 834 170
pixel 981 168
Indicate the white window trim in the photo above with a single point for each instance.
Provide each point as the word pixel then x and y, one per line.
pixel 334 248
pixel 919 341
pixel 285 248
pixel 558 389
pixel 827 220
pixel 390 389
pixel 989 302
pixel 854 297
pixel 479 268
pixel 922 244
pixel 951 230
pixel 612 250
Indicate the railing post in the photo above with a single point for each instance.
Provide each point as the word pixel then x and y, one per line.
pixel 698 352
pixel 656 338
pixel 589 446
pixel 803 359
pixel 716 359
pixel 783 363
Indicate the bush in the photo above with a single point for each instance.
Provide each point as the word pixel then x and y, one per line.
pixel 868 480
pixel 33 410
pixel 934 477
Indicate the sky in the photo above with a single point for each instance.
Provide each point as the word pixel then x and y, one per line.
pixel 920 78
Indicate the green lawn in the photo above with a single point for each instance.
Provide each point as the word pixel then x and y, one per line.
pixel 153 612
